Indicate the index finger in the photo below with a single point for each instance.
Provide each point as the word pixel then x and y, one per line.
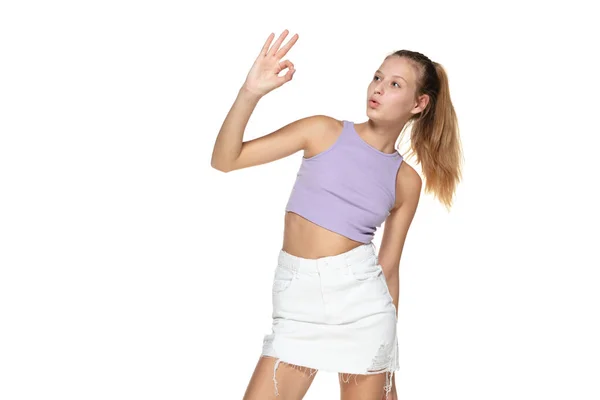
pixel 263 51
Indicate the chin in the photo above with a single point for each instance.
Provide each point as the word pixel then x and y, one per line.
pixel 376 117
pixel 375 112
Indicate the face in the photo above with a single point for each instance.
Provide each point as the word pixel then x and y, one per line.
pixel 394 86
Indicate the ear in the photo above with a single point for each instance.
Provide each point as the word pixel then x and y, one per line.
pixel 422 102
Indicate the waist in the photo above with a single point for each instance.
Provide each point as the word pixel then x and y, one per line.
pixel 355 255
pixel 310 240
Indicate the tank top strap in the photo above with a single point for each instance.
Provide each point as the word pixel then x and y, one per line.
pixel 353 136
pixel 345 129
pixel 348 134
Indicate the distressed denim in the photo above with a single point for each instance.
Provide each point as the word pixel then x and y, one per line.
pixel 334 314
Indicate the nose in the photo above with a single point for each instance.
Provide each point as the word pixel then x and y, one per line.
pixel 378 88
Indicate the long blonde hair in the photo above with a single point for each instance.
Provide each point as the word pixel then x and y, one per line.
pixel 435 138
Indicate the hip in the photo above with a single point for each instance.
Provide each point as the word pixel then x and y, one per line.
pixel 339 289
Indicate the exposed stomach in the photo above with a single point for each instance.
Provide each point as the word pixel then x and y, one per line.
pixel 304 238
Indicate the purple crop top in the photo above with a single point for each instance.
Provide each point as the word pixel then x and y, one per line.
pixel 348 188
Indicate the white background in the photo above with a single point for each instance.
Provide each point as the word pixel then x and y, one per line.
pixel 130 269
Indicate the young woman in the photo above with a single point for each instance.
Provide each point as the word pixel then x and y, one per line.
pixel 335 300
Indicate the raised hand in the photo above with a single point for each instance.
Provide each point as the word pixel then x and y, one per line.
pixel 263 76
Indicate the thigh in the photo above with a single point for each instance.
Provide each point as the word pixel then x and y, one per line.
pixel 290 382
pixel 362 387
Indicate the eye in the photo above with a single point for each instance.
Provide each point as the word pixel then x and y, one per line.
pixel 376 77
pixel 396 83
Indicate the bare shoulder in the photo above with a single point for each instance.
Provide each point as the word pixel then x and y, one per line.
pixel 324 134
pixel 297 135
pixel 320 132
pixel 408 186
pixel 323 127
pixel 319 121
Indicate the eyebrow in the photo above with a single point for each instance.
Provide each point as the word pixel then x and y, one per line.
pixel 398 76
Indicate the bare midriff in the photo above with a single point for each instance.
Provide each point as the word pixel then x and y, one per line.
pixel 304 238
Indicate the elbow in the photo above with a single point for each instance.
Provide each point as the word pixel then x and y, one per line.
pixel 219 167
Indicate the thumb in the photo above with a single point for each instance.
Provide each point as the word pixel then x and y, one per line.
pixel 287 77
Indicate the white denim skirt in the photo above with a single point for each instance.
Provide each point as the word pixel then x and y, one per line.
pixel 333 314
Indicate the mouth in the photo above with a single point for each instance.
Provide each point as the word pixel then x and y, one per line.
pixel 373 103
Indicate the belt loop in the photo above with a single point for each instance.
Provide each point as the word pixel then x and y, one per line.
pixel 346 258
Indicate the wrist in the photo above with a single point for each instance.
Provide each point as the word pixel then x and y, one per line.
pixel 246 92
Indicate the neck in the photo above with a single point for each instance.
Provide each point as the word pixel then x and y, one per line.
pixel 382 136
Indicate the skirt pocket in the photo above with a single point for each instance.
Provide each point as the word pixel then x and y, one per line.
pixel 283 278
pixel 365 270
pixel 386 288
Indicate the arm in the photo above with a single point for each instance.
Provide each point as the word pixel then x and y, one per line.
pixel 229 140
pixel 408 190
pixel 230 153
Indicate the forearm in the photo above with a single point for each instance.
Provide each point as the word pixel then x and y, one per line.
pixel 393 282
pixel 228 144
